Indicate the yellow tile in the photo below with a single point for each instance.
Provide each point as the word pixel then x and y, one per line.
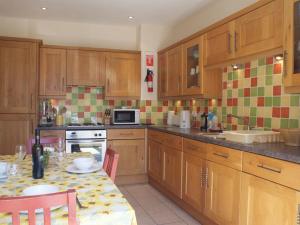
pixel 276 123
pixel 268 90
pixel 277 80
pixel 285 100
pixel 294 112
pixel 247 83
pixel 268 112
pixel 253 101
pixel 247 111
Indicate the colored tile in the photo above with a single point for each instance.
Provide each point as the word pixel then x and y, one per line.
pixel 285 112
pixel 261 101
pixel 284 123
pixel 261 91
pixel 268 101
pixel 247 92
pixel 235 75
pixel 247 102
pixel 269 70
pixel 253 92
pixel 254 82
pixel 230 76
pixel 260 122
pixel 235 84
pixel 241 93
pixel 270 60
pixel 295 100
pixel 277 90
pixel 253 111
pixel 277 68
pixel 253 72
pixel 276 101
pixel 268 80
pixel 276 112
pixel 247 73
pixel 262 61
pixel 267 122
pixel 293 123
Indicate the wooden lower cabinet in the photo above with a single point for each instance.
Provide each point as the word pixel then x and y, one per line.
pixel 172 170
pixel 264 203
pixel 155 160
pixel 132 156
pixel 222 195
pixel 193 181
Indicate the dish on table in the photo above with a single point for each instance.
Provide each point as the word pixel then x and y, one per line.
pixel 84 163
pixel 73 169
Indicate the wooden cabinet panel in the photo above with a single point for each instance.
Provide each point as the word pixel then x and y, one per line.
pixel 18 76
pixel 193 185
pixel 53 133
pixel 53 71
pixel 155 160
pixel 113 134
pixel 218 44
pixel 222 194
pixel 132 156
pixel 85 68
pixel 172 170
pixel 123 75
pixel 162 75
pixel 196 148
pixel 260 30
pixel 174 71
pixel 15 129
pixel 265 203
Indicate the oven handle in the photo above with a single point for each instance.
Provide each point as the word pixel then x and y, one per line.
pixel 85 141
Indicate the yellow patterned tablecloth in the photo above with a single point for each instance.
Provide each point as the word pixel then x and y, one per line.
pixel 105 203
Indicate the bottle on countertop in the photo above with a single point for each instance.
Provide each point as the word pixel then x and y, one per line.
pixel 37 157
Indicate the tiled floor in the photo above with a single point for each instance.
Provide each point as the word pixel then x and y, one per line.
pixel 152 208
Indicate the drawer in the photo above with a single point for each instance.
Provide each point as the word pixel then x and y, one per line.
pixel 275 170
pixel 196 148
pixel 225 156
pixel 121 134
pixel 156 136
pixel 166 139
pixel 53 133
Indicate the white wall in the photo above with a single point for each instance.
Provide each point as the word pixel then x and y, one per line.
pixel 68 33
pixel 208 15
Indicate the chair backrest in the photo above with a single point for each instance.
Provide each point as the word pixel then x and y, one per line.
pixel 15 205
pixel 110 163
pixel 43 140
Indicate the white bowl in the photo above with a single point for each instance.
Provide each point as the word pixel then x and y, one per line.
pixel 40 190
pixel 83 163
pixel 3 167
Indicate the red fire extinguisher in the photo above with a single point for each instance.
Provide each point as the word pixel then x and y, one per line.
pixel 149 80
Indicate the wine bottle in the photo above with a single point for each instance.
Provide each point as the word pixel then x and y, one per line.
pixel 37 157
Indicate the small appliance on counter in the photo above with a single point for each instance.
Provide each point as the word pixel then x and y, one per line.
pixel 47 113
pixel 185 119
pixel 125 116
pixel 170 118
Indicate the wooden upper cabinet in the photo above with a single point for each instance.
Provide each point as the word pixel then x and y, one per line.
pixel 123 75
pixel 218 44
pixel 192 75
pixel 265 203
pixel 162 75
pixel 174 71
pixel 53 71
pixel 259 30
pixel 292 46
pixel 18 76
pixel 85 68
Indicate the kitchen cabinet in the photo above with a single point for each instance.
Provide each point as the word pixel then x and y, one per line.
pixel 18 76
pixel 162 75
pixel 53 71
pixel 174 71
pixel 123 75
pixel 259 30
pixel 264 202
pixel 53 133
pixel 222 195
pixel 292 46
pixel 85 68
pixel 15 129
pixel 155 160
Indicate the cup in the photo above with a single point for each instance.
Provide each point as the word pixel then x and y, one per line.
pixel 20 152
pixel 3 168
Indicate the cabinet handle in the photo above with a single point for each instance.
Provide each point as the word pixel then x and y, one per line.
pixel 298 215
pixel 125 134
pixel 285 58
pixel 31 101
pixel 262 166
pixel 223 155
pixel 229 42
pixel 108 88
pixel 32 128
pixel 201 177
pixel 63 84
pixel 235 40
pixel 206 177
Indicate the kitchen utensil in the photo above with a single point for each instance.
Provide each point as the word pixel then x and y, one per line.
pixel 185 119
pixel 171 114
pixel 291 137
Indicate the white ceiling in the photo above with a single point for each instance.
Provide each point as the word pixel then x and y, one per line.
pixel 163 12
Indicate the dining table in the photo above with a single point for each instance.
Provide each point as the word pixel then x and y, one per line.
pixel 102 203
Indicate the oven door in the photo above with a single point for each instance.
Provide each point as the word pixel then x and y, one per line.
pixel 97 147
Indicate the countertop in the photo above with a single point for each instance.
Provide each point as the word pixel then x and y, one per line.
pixel 65 127
pixel 274 150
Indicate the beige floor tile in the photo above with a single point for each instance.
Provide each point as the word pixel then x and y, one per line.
pixel 165 217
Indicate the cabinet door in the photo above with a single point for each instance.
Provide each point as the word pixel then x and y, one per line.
pixel 162 75
pixel 218 44
pixel 265 203
pixel 18 77
pixel 123 75
pixel 222 194
pixel 172 170
pixel 155 161
pixel 192 67
pixel 53 71
pixel 174 71
pixel 132 156
pixel 84 67
pixel 260 30
pixel 193 181
pixel 15 129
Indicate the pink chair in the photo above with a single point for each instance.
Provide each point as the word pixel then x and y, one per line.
pixel 44 140
pixel 110 163
pixel 14 205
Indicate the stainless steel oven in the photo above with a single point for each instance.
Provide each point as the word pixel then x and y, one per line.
pixel 92 141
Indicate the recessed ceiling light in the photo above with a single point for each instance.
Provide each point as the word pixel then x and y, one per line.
pixel 130 17
pixel 44 8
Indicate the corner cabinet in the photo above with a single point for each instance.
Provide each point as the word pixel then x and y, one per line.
pixel 292 46
pixel 123 75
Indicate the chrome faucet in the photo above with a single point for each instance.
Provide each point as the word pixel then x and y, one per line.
pixel 241 118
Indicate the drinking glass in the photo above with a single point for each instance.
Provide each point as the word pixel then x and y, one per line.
pixel 20 152
pixel 13 170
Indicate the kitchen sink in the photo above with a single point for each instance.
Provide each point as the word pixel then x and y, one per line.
pixel 252 136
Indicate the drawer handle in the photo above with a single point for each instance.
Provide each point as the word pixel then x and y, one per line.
pixel 223 155
pixel 126 133
pixel 269 168
pixel 192 147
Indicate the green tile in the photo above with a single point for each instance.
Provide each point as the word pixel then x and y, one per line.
pixel 74 101
pixel 294 100
pixel 247 102
pixel 153 109
pixel 253 111
pixel 93 114
pixel 276 101
pixel 284 123
pixel 253 92
pixel 293 123
pixel 268 122
pixel 80 109
pixel 269 70
pixel 224 110
pixel 230 76
pixel 262 61
pixel 99 108
pixel 93 101
pixel 268 101
pixel 241 93
pixel 159 103
pixel 81 89
pixel 235 75
pixel 105 103
pixel 268 80
pixel 252 121
pixel 143 103
pixel 261 91
pixel 234 110
pixel 229 93
pixel 253 72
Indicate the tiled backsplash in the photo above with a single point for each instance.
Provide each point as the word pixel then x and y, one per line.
pixel 254 92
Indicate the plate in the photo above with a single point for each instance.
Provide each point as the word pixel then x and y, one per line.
pixel 73 169
pixel 3 176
